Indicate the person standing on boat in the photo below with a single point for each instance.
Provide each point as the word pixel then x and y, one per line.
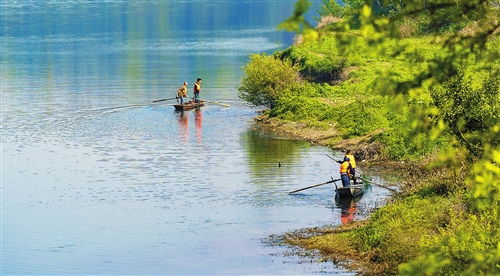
pixel 345 171
pixel 349 155
pixel 182 92
pixel 197 89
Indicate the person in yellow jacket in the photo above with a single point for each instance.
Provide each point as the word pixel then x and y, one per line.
pixel 182 92
pixel 349 155
pixel 197 89
pixel 345 172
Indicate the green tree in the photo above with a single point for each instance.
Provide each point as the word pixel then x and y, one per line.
pixel 267 79
pixel 331 8
pixel 471 113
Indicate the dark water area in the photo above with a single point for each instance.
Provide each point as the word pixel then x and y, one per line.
pixel 98 180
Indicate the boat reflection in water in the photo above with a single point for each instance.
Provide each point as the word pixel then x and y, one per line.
pixel 348 207
pixel 198 122
pixel 184 125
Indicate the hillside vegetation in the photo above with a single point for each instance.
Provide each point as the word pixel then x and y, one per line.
pixel 421 79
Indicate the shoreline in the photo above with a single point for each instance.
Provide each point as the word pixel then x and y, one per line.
pixel 316 240
pixel 344 255
pixel 363 148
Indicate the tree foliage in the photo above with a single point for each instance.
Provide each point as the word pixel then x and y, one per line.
pixel 267 79
pixel 297 22
pixel 470 113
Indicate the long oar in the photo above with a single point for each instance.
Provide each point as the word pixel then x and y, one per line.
pixel 338 161
pixel 385 187
pixel 324 183
pixel 155 101
pixel 223 104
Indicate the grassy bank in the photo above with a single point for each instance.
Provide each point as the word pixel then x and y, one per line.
pixel 393 92
pixel 323 90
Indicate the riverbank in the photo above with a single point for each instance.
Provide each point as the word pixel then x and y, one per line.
pixel 342 254
pixel 399 102
pixel 345 245
pixel 430 210
pixel 362 146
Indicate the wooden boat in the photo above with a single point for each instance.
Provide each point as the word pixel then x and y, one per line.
pixel 188 105
pixel 356 189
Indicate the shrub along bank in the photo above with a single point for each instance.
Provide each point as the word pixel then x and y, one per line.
pixel 420 80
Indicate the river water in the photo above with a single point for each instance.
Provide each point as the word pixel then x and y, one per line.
pixel 98 180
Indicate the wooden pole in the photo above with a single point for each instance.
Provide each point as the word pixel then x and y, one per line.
pixel 324 183
pixel 385 187
pixel 338 161
pixel 155 101
pixel 223 104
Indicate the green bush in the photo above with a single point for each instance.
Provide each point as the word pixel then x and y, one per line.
pixel 468 246
pixel 331 8
pixel 363 116
pixel 267 79
pixel 298 108
pixel 470 112
pixel 402 142
pixel 350 105
pixel 315 63
pixel 353 118
pixel 396 233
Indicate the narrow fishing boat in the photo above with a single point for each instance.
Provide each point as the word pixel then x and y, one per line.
pixel 188 105
pixel 356 189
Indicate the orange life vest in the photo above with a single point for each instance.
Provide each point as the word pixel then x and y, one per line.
pixel 344 168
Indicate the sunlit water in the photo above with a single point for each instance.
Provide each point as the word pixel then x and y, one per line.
pixel 98 180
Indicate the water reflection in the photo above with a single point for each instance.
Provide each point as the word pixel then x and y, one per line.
pixel 183 123
pixel 198 122
pixel 348 207
pixel 265 155
pixel 183 118
pixel 145 45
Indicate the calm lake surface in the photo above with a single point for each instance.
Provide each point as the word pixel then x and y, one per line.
pixel 97 180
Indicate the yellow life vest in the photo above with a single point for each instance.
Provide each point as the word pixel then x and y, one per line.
pixel 197 87
pixel 351 159
pixel 182 92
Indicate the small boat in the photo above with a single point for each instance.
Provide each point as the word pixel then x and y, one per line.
pixel 188 105
pixel 356 189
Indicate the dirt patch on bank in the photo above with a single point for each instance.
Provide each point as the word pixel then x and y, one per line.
pixel 296 130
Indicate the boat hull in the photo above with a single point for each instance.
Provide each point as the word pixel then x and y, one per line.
pixel 188 106
pixel 355 190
